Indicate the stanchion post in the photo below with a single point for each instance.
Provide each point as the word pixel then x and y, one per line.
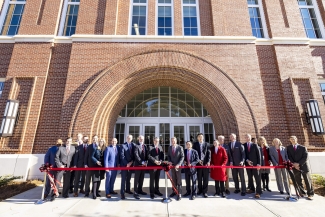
pixel 41 201
pixel 166 199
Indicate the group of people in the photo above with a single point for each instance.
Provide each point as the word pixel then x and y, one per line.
pixel 251 153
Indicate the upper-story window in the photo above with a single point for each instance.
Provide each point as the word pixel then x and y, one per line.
pixel 69 17
pixel 165 17
pixel 309 15
pixel 322 87
pixel 139 17
pixel 191 22
pixel 256 16
pixel 11 16
pixel 2 83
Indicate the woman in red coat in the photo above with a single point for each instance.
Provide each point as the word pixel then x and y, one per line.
pixel 219 158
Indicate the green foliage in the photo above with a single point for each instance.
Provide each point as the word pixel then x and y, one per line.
pixel 6 179
pixel 318 179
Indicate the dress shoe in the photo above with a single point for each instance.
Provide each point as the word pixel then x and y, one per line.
pixel 269 190
pixel 70 191
pixel 52 197
pixel 179 197
pixel 310 197
pixel 136 196
pixel 263 189
pixel 172 194
pixel 143 193
pixel 75 194
pixel 152 196
pixel 122 197
pixel 60 192
pixel 243 194
pixel 193 197
pixel 236 191
pixel 250 191
pixel 227 191
pixel 98 195
pixel 223 194
pixel 112 192
pixel 158 193
pixel 82 192
pixel 108 196
pixel 45 195
pixel 257 196
pixel 281 192
pixel 65 196
pixel 205 195
pixel 216 194
pixel 86 195
pixel 129 192
pixel 200 192
pixel 94 197
pixel 99 191
pixel 187 194
pixel 303 195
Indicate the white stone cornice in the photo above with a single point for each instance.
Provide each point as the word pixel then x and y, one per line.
pixel 161 39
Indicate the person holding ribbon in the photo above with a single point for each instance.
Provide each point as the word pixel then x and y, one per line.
pixel 191 159
pixel 266 161
pixel 278 155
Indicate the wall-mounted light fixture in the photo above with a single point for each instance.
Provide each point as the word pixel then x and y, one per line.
pixel 9 118
pixel 314 118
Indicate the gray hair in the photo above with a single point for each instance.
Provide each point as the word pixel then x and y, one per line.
pixel 221 137
pixel 141 136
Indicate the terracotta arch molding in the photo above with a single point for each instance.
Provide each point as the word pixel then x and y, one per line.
pixel 115 75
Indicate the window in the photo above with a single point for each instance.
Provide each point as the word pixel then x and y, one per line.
pixel 322 87
pixel 190 18
pixel 139 17
pixel 165 17
pixel 255 14
pixel 208 133
pixel 309 18
pixel 69 17
pixel 119 133
pixel 1 87
pixel 11 16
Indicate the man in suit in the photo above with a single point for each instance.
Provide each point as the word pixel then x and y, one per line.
pixel 111 159
pixel 204 152
pixel 253 158
pixel 298 155
pixel 140 160
pixel 88 162
pixel 50 159
pixel 79 162
pixel 72 177
pixel 155 157
pixel 126 160
pixel 238 157
pixel 191 159
pixel 64 159
pixel 221 140
pixel 176 158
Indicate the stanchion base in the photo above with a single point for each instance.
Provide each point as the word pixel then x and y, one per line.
pixel 40 201
pixel 166 200
pixel 290 198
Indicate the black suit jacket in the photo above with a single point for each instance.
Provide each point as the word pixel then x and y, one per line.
pixel 88 156
pixel 126 155
pixel 206 153
pixel 300 155
pixel 253 154
pixel 227 148
pixel 79 156
pixel 194 160
pixel 153 155
pixel 139 155
pixel 237 153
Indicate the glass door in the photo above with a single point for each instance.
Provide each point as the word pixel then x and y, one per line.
pixel 179 133
pixel 193 130
pixel 150 132
pixel 164 137
pixel 135 131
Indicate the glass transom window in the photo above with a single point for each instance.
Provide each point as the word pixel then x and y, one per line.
pixel 14 12
pixel 190 18
pixel 164 102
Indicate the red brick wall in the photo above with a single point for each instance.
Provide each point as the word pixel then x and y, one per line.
pixel 206 17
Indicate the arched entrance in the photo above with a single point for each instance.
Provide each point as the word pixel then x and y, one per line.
pixel 164 112
pixel 101 103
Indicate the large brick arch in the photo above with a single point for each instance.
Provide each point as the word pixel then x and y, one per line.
pixel 104 98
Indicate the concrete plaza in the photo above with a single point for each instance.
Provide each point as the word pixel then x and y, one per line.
pixel 270 204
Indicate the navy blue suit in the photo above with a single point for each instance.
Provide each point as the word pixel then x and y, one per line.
pixel 190 173
pixel 126 156
pixel 111 159
pixel 50 159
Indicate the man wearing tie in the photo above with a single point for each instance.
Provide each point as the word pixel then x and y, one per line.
pixel 79 162
pixel 176 158
pixel 126 160
pixel 50 159
pixel 238 157
pixel 253 158
pixel 64 159
pixel 221 140
pixel 298 155
pixel 155 157
pixel 111 159
pixel 204 153
pixel 191 159
pixel 140 160
pixel 90 163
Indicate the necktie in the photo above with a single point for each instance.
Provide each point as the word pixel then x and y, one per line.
pixel 68 149
pixel 232 144
pixel 143 149
pixel 84 147
pixel 157 150
pixel 130 147
pixel 189 157
pixel 173 150
pixel 115 149
pixel 249 147
pixel 295 147
pixel 201 150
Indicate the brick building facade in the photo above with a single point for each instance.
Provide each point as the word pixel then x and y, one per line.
pixel 72 78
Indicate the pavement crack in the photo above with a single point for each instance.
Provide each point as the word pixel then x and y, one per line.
pixel 277 215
